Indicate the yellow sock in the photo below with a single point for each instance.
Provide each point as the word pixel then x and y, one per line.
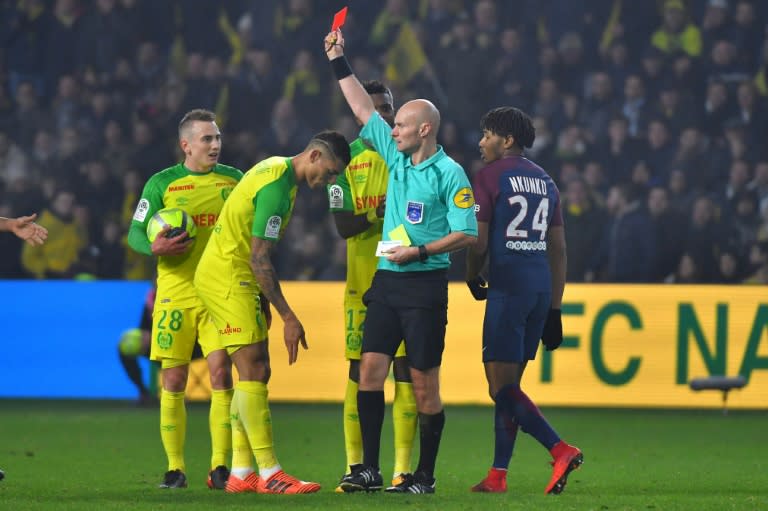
pixel 254 414
pixel 353 441
pixel 173 427
pixel 220 425
pixel 242 457
pixel 404 418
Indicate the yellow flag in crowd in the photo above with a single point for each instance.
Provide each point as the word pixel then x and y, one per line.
pixel 405 58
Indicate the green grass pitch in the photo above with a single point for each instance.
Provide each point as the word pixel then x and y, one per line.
pixel 83 455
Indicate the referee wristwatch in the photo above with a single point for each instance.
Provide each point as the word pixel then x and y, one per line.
pixel 423 253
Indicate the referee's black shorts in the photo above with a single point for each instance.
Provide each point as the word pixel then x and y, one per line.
pixel 410 306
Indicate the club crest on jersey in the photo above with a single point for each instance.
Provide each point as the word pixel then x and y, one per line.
pixel 141 210
pixel 273 227
pixel 335 197
pixel 414 212
pixel 464 198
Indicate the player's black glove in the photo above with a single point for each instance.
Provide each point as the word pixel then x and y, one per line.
pixel 478 287
pixel 552 337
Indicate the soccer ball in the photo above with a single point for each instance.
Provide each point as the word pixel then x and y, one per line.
pixel 130 342
pixel 178 219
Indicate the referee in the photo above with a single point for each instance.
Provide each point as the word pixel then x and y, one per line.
pixel 430 210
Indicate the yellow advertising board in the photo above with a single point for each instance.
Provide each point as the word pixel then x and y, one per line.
pixel 625 345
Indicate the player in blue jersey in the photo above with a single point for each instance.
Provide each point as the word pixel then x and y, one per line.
pixel 520 230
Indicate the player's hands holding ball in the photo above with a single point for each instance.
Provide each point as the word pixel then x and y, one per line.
pixel 334 44
pixel 176 245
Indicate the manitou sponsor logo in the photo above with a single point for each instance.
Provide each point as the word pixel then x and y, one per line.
pixel 229 330
pixel 205 219
pixel 181 188
pixel 361 165
pixel 368 201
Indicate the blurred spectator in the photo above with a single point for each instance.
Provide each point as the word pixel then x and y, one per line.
pixel 459 45
pixel 660 149
pixel 13 161
pixel 758 263
pixel 627 251
pixel 23 30
pixel 287 131
pixel 705 238
pixel 680 195
pixel 617 154
pixel 635 106
pixel 668 224
pixel 759 185
pixel 687 271
pixel 302 88
pixel 715 109
pixel 586 223
pixel 29 116
pixel 58 257
pixel 724 66
pixel 715 24
pixel 256 84
pixel 598 107
pixel 751 111
pixel 677 33
pixel 104 37
pixel 730 269
pixel 150 152
pixel 62 40
pixel 746 34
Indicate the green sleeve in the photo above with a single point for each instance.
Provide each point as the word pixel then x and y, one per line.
pixel 340 195
pixel 150 202
pixel 271 209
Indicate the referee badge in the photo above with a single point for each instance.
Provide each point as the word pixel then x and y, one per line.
pixel 414 212
pixel 464 198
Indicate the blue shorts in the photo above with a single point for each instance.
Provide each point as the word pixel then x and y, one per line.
pixel 513 325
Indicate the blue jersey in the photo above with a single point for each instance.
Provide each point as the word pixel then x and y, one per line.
pixel 519 201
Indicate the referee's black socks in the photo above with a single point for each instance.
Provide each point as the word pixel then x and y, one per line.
pixel 430 432
pixel 370 409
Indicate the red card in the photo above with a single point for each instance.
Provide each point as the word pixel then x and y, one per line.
pixel 338 19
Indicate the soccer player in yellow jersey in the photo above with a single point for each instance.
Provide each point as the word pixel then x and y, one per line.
pixel 199 186
pixel 357 202
pixel 234 270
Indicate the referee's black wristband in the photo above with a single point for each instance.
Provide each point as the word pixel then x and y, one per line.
pixel 423 253
pixel 341 67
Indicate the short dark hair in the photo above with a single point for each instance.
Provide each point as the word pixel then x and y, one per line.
pixel 508 120
pixel 337 143
pixel 376 87
pixel 198 114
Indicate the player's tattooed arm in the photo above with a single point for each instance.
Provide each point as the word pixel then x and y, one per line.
pixel 266 276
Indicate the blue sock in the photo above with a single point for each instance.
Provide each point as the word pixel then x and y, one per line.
pixel 515 404
pixel 506 431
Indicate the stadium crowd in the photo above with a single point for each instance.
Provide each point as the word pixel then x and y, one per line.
pixel 651 117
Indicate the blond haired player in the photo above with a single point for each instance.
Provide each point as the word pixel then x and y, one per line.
pixel 199 186
pixel 234 270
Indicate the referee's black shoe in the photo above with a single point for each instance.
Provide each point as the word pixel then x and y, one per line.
pixel 362 478
pixel 414 483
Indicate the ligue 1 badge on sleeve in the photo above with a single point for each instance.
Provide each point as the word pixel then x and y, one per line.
pixel 414 212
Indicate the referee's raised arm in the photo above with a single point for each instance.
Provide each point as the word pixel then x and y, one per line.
pixel 357 99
